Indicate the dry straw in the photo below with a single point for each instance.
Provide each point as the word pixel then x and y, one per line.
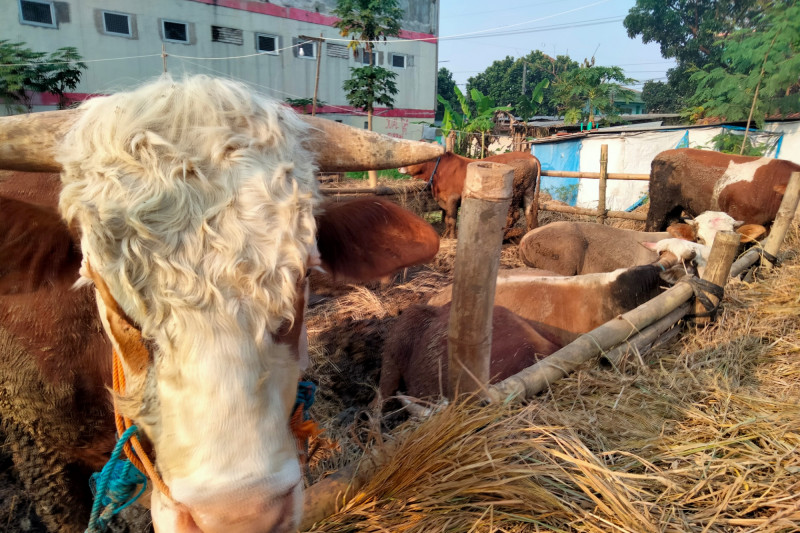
pixel 705 436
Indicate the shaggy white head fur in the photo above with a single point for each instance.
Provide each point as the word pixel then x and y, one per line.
pixel 195 201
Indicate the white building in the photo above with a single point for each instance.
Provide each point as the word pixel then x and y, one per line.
pixel 258 42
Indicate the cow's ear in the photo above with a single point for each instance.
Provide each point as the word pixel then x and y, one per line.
pixel 751 232
pixel 686 232
pixel 650 245
pixel 369 238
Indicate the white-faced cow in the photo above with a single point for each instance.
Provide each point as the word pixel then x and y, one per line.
pixel 534 315
pixel 448 173
pixel 749 189
pixel 192 208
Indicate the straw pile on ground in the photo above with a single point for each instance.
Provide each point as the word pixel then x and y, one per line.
pixel 701 435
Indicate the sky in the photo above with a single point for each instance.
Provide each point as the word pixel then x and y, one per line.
pixel 473 34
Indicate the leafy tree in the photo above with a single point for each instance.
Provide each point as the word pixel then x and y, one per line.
pixel 369 86
pixel 503 80
pixel 28 72
pixel 304 103
pixel 445 87
pixel 581 91
pixel 759 71
pixel 468 125
pixel 528 108
pixel 367 21
pixel 687 31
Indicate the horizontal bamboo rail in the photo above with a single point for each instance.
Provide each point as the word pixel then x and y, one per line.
pixel 557 207
pixel 595 175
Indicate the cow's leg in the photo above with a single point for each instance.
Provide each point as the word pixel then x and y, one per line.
pixel 59 501
pixel 451 216
pixel 531 202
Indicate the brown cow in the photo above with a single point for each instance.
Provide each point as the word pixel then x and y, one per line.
pixel 570 248
pixel 749 189
pixel 196 207
pixel 534 315
pixel 447 183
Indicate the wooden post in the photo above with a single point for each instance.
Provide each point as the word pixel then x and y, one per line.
pixel 784 217
pixel 450 142
pixel 601 195
pixel 485 201
pixel 316 79
pixel 164 57
pixel 723 252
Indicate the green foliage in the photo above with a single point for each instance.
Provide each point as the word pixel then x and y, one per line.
pixel 730 142
pixel 468 124
pixel 528 108
pixel 367 20
pixel 445 88
pixel 502 80
pixel 37 72
pixel 304 103
pixel 390 174
pixel 764 57
pixel 581 91
pixel 370 86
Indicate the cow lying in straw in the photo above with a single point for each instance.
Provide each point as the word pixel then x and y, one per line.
pixel 534 315
pixel 192 216
pixel 570 248
pixel 448 174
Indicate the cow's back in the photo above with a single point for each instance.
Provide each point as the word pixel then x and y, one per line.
pixel 571 248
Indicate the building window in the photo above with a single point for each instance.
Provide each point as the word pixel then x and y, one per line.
pixel 37 13
pixel 398 60
pixel 267 43
pixel 175 32
pixel 337 50
pixel 307 49
pixel 117 23
pixel 226 35
pixel 364 58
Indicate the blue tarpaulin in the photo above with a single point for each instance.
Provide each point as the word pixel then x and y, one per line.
pixel 560 156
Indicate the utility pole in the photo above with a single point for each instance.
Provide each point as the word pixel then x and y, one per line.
pixel 319 40
pixel 164 57
pixel 524 75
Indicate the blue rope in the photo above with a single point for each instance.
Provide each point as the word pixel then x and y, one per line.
pixel 305 397
pixel 113 487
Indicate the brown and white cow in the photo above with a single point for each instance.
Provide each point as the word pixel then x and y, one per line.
pixel 749 189
pixel 534 315
pixel 195 204
pixel 448 174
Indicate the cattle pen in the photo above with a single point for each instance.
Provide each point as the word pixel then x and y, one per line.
pixel 700 433
pixel 413 193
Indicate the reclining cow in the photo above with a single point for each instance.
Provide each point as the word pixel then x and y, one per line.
pixel 534 315
pixel 571 248
pixel 749 189
pixel 447 175
pixel 192 208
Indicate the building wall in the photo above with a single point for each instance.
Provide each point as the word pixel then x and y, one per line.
pixel 283 75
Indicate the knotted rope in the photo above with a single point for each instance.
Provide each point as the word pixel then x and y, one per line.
pixel 114 486
pixel 702 289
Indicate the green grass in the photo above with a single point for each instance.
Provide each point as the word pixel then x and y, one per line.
pixel 391 174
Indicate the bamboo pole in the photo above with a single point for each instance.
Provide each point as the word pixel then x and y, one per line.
pixel 648 336
pixel 588 346
pixel 485 201
pixel 558 207
pixel 723 252
pixel 601 194
pixel 784 217
pixel 595 175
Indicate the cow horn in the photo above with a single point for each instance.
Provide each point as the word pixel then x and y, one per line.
pixel 27 142
pixel 342 148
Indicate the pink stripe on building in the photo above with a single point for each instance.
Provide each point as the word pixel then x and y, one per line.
pixel 302 15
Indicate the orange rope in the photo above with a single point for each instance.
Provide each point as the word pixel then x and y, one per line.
pixel 137 455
